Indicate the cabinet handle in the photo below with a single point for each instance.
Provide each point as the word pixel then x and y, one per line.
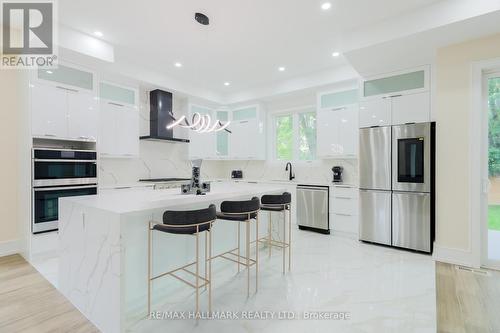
pixel 51 135
pixel 338 109
pixel 243 121
pixel 393 96
pixel 67 89
pixel 116 104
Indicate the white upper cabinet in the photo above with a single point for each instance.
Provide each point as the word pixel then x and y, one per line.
pixel 119 130
pixel 415 108
pixel 83 115
pixel 222 137
pixel 248 139
pixel 201 145
pixel 64 104
pixel 399 98
pixel 337 132
pixel 49 109
pixel 403 82
pixel 375 112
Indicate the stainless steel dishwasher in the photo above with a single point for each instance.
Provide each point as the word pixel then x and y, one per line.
pixel 312 208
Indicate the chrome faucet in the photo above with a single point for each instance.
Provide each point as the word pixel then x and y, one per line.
pixel 291 175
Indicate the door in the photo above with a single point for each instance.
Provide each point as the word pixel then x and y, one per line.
pixel 375 158
pixel 83 115
pixel 411 157
pixel 49 107
pixel 245 139
pixel 411 220
pixel 128 131
pixel 108 125
pixel 491 161
pixel 349 131
pixel 375 216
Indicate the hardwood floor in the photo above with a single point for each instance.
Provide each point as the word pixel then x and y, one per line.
pixel 466 301
pixel 29 303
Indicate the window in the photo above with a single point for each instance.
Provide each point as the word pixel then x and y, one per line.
pixel 295 136
pixel 284 137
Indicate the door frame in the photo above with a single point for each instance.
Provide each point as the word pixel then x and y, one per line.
pixel 478 181
pixel 485 261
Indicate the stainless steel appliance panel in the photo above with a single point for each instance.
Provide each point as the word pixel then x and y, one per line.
pixel 375 158
pixel 411 157
pixel 312 207
pixel 375 216
pixel 411 220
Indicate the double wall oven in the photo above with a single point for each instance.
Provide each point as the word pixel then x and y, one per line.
pixel 58 173
pixel 397 185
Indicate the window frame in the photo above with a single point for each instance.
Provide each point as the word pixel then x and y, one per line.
pixel 295 133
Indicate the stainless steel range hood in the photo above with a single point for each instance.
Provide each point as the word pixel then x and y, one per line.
pixel 160 116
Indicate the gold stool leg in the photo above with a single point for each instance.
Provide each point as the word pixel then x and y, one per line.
pixel 197 270
pixel 289 237
pixel 247 254
pixel 206 262
pixel 238 247
pixel 210 272
pixel 257 253
pixel 284 240
pixel 269 230
pixel 149 268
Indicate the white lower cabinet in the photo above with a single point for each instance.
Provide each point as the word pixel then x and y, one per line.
pixel 337 132
pixel 344 210
pixel 119 130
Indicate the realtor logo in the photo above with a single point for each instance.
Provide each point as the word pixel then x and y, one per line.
pixel 28 34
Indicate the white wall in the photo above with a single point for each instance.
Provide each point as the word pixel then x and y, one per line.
pixel 453 109
pixel 14 169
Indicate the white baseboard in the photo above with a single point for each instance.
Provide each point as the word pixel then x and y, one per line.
pixel 9 247
pixel 453 256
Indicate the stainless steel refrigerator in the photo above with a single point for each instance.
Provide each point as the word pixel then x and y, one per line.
pixel 397 185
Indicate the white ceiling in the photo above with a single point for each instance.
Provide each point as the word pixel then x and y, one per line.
pixel 245 43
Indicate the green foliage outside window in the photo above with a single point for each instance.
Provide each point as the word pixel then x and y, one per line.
pixel 284 137
pixel 494 127
pixel 307 136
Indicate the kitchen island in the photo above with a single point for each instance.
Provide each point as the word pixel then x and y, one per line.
pixel 103 258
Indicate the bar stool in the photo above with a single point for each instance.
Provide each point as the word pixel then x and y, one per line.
pixel 279 203
pixel 190 222
pixel 242 212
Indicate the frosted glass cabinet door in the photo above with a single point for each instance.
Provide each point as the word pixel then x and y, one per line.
pixel 48 109
pixel 68 76
pixel 376 112
pixel 83 115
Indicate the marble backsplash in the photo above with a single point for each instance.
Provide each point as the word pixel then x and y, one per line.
pixel 319 171
pixel 161 159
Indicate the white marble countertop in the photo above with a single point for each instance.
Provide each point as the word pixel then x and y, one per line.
pixel 284 182
pixel 129 200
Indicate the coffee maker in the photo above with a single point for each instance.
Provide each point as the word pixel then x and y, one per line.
pixel 337 174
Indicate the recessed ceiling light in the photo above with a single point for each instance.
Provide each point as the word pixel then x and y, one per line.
pixel 98 33
pixel 178 64
pixel 227 83
pixel 48 72
pixel 335 54
pixel 281 69
pixel 326 6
